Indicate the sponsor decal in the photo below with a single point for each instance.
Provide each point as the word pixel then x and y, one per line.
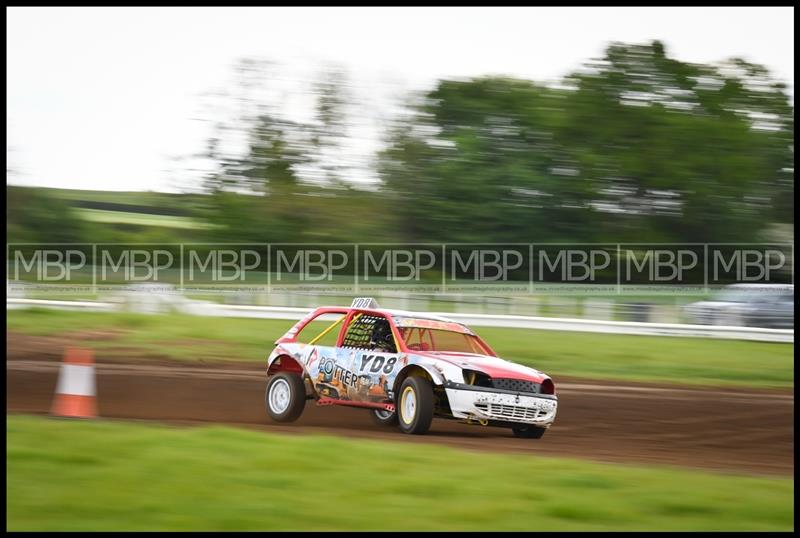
pixel 334 373
pixel 377 363
pixel 432 324
pixel 364 302
pixel 312 357
pixel 370 383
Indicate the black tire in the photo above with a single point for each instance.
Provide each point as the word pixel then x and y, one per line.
pixel 421 410
pixel 381 417
pixel 528 432
pixel 288 404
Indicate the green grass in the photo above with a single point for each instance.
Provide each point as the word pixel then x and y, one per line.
pixel 143 198
pixel 65 475
pixel 697 361
pixel 141 219
pixel 647 358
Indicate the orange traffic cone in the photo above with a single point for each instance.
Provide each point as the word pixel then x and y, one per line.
pixel 75 392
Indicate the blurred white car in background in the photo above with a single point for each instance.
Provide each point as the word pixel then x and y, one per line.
pixel 747 305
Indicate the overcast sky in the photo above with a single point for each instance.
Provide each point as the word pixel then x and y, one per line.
pixel 106 98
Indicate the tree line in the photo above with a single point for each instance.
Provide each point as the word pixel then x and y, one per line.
pixel 635 146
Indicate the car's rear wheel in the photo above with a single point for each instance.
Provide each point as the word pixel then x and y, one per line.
pixel 285 397
pixel 415 405
pixel 528 432
pixel 382 417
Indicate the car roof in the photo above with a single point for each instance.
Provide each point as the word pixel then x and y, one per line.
pixel 398 313
pixel 747 286
pixel 419 315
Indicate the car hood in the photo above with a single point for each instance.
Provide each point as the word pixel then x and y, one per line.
pixel 494 367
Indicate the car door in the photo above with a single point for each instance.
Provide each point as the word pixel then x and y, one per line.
pixel 318 341
pixel 368 366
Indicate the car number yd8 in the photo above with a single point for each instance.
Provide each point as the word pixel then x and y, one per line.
pixel 377 363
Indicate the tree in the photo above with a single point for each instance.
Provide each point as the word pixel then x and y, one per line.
pixel 636 146
pixel 688 152
pixel 33 215
pixel 289 183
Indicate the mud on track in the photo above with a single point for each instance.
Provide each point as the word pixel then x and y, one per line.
pixel 744 432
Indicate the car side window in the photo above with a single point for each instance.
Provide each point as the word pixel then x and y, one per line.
pixel 323 330
pixel 367 331
pixel 411 338
pixel 417 339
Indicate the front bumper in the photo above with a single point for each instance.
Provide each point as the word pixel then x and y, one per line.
pixel 479 403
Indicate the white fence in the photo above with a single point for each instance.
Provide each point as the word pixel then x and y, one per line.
pixel 202 308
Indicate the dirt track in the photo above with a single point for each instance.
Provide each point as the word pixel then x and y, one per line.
pixel 724 430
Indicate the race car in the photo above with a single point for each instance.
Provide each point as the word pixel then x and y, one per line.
pixel 406 368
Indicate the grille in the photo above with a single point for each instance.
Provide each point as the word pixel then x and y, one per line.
pixel 510 412
pixel 516 385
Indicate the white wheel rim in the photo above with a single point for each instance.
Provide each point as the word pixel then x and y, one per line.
pixel 408 405
pixel 383 414
pixel 279 396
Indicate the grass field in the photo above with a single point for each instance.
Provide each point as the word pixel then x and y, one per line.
pixel 66 475
pixel 188 202
pixel 141 219
pixel 590 355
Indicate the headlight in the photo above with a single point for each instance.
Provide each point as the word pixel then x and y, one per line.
pixel 474 377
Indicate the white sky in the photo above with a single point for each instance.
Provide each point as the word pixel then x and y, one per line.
pixel 104 98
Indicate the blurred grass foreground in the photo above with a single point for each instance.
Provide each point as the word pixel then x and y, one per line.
pixel 121 476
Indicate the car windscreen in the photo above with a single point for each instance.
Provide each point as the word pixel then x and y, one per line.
pixel 753 296
pixel 440 340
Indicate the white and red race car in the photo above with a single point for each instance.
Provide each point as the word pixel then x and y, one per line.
pixel 407 368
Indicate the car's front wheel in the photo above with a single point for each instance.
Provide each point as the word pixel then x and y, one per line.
pixel 528 432
pixel 415 405
pixel 285 397
pixel 382 417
